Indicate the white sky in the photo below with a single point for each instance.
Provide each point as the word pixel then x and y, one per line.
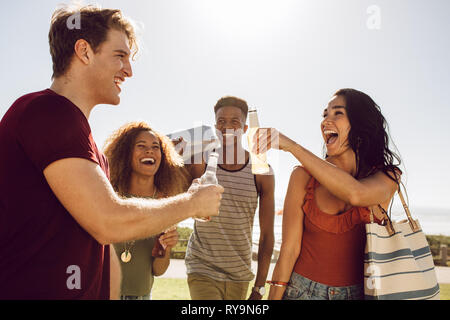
pixel 285 57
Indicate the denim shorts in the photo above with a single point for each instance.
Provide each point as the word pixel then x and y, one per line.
pixel 301 288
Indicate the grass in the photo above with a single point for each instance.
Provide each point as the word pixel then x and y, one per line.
pixel 177 289
pixel 170 289
pixel 445 291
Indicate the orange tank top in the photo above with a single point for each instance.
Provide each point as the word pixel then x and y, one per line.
pixel 332 250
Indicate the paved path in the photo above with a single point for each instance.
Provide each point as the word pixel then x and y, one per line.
pixel 443 274
pixel 177 269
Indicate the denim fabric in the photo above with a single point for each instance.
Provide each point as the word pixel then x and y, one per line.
pixel 301 288
pixel 146 297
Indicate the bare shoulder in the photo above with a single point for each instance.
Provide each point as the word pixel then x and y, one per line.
pixel 392 176
pixel 395 174
pixel 296 193
pixel 300 176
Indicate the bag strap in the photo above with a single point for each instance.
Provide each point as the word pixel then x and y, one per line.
pixel 388 221
pixel 412 222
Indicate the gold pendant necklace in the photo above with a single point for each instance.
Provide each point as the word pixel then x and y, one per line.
pixel 126 254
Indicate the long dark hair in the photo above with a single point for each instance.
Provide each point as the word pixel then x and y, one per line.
pixel 368 136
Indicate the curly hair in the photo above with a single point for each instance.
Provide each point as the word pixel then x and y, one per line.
pixel 171 178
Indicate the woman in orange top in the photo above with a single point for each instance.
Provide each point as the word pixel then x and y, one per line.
pixel 329 201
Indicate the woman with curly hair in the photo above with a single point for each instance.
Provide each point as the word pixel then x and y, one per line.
pixel 329 201
pixel 144 164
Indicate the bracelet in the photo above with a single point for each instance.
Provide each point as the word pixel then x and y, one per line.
pixel 277 283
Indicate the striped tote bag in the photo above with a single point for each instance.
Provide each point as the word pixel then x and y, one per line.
pixel 398 264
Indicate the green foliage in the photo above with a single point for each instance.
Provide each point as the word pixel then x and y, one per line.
pixel 435 242
pixel 184 232
pixel 179 251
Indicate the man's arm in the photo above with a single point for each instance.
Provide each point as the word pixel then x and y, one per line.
pixel 266 186
pixel 375 189
pixel 196 169
pixel 292 230
pixel 84 190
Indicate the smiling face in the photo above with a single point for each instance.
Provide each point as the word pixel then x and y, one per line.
pixel 230 122
pixel 111 65
pixel 335 126
pixel 147 155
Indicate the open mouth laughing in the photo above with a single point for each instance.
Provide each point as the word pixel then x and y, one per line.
pixel 331 136
pixel 148 161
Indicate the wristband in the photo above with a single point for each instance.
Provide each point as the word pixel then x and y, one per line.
pixel 278 283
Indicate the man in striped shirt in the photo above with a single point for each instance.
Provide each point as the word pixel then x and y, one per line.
pixel 218 258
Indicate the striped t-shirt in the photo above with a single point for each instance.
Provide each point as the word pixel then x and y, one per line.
pixel 221 248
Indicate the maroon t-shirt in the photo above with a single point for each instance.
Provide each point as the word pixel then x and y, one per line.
pixel 44 252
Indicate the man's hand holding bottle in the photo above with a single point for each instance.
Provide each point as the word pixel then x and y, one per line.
pixel 205 199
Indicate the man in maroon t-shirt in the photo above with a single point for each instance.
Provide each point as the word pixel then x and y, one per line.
pixel 58 211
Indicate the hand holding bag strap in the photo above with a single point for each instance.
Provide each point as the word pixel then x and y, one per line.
pixel 387 220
